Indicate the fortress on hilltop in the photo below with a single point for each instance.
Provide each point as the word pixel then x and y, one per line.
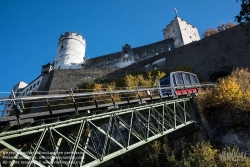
pixel 71 48
pixel 210 58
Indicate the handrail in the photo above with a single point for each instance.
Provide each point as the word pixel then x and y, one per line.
pixel 51 96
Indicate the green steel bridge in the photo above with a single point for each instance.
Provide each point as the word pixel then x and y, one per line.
pixel 89 128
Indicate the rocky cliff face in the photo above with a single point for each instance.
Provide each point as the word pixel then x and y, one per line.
pixel 222 128
pixel 229 128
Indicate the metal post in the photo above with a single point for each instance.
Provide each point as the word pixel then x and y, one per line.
pixel 107 139
pixel 163 113
pixel 148 124
pixel 49 107
pixel 174 116
pixel 185 115
pixel 16 107
pixel 112 98
pixel 86 145
pixel 37 147
pixel 56 150
pixel 73 152
pixel 55 147
pixel 95 102
pixel 72 96
pixel 130 127
pixel 139 94
pixel 127 98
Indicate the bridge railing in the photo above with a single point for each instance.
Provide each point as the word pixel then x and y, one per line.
pixel 97 125
pixel 95 138
pixel 69 99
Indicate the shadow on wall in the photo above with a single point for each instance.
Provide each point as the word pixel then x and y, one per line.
pixel 214 77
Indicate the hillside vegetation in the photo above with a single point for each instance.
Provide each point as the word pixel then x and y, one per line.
pixel 231 93
pixel 131 81
pixel 161 153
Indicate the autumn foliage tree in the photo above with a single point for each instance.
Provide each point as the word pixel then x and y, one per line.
pixel 232 92
pixel 148 80
pixel 211 31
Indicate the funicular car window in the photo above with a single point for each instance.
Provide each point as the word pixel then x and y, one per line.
pixel 178 78
pixel 165 82
pixel 186 78
pixel 193 79
pixel 174 80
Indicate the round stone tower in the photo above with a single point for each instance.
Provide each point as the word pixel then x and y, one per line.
pixel 70 51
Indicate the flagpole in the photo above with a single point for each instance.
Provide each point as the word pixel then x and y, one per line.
pixel 175 11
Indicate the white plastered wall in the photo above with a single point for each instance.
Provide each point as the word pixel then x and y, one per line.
pixel 70 51
pixel 181 32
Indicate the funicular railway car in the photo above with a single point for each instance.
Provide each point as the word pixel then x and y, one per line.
pixel 179 83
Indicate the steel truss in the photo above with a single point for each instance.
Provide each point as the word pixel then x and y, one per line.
pixel 91 140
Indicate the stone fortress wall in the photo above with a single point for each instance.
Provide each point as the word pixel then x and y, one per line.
pixel 130 55
pixel 210 58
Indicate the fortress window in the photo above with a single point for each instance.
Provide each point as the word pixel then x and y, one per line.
pixel 126 52
pixel 61 46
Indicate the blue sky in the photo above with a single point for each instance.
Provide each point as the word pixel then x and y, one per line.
pixel 30 29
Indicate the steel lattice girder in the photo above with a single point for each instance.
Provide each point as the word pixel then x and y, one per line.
pixel 91 140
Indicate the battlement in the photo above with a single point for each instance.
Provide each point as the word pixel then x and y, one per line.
pixel 180 19
pixel 74 35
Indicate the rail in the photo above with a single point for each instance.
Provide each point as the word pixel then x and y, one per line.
pixel 95 126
